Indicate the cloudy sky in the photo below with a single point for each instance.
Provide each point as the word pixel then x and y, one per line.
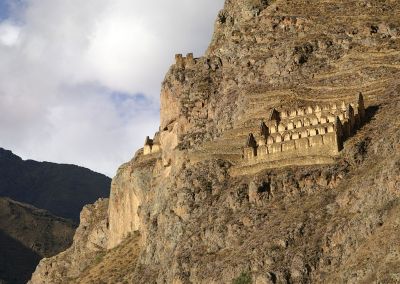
pixel 80 80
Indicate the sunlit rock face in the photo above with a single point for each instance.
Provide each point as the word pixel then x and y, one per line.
pixel 187 213
pixel 128 191
pixel 90 240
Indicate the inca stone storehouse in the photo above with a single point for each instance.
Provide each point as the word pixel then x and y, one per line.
pixel 152 146
pixel 310 131
pixel 295 135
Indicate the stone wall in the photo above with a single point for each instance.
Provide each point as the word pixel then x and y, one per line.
pixel 304 132
pixel 152 146
pixel 183 62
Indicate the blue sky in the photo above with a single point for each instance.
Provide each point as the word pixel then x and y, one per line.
pixel 80 80
pixel 11 8
pixel 3 9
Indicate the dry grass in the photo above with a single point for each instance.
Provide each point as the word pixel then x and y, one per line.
pixel 115 265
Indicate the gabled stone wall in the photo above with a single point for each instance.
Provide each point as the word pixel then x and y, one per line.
pixel 304 132
pixel 152 146
pixel 183 62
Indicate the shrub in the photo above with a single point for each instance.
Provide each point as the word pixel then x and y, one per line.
pixel 244 278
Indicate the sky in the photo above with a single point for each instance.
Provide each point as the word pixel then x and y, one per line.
pixel 80 80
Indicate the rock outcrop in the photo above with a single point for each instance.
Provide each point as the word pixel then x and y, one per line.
pixel 190 219
pixel 89 242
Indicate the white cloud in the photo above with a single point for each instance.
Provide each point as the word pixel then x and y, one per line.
pixel 9 34
pixel 118 45
pixel 66 67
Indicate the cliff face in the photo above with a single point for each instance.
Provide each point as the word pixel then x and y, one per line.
pixel 185 218
pixel 130 190
pixel 89 242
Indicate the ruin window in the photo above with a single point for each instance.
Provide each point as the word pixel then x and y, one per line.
pixel 264 188
pixel 313 132
pixel 300 112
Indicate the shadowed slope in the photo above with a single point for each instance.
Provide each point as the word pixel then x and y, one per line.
pixel 61 189
pixel 17 262
pixel 28 234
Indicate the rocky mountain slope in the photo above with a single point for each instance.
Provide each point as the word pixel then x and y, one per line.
pixel 187 215
pixel 28 234
pixel 61 189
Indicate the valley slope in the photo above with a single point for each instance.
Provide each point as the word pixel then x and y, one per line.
pixel 60 189
pixel 28 234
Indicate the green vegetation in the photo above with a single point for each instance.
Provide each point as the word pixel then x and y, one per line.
pixel 244 278
pixel 99 257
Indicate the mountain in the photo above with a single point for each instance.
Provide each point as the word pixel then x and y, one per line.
pixel 277 160
pixel 28 234
pixel 61 189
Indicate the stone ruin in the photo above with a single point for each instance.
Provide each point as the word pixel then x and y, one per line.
pixel 183 62
pixel 152 146
pixel 310 131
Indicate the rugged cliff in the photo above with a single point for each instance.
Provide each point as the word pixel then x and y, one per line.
pixel 89 242
pixel 188 214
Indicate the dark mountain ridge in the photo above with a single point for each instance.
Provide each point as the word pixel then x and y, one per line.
pixel 60 188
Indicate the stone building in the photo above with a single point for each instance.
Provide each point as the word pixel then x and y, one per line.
pixel 183 62
pixel 152 146
pixel 310 131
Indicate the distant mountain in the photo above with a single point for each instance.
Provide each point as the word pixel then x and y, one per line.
pixel 61 189
pixel 28 234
